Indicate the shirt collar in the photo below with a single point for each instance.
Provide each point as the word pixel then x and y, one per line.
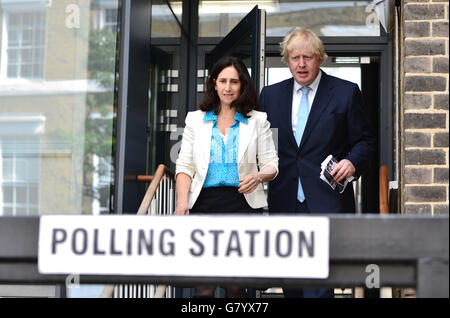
pixel 211 116
pixel 241 118
pixel 314 85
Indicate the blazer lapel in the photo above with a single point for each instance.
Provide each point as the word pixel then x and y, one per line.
pixel 205 135
pixel 285 107
pixel 320 103
pixel 245 134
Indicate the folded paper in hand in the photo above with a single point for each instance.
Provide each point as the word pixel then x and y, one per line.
pixel 328 166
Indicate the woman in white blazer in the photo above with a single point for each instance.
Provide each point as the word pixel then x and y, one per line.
pixel 227 151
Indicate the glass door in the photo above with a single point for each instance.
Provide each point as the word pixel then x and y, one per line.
pixel 247 42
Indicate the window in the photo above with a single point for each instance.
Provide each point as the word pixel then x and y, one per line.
pixel 325 18
pixel 110 19
pixel 25 38
pixel 19 177
pixel 48 137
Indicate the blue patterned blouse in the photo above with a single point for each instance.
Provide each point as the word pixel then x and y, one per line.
pixel 223 168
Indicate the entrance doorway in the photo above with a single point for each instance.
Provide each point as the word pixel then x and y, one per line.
pixel 364 71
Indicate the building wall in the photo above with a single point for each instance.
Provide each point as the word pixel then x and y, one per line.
pixel 424 103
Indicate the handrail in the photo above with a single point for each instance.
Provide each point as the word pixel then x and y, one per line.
pixel 384 209
pixel 150 193
pixel 154 180
pixel 144 178
pixel 384 190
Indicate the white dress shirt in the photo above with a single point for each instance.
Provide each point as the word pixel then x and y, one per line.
pixel 297 96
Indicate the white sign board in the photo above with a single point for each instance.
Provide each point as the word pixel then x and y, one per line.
pixel 223 246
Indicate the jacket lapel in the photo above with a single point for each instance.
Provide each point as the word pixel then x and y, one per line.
pixel 205 135
pixel 245 134
pixel 320 103
pixel 285 107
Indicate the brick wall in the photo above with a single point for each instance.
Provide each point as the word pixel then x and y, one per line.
pixel 424 101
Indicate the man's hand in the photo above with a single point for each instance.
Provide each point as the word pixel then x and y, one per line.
pixel 343 170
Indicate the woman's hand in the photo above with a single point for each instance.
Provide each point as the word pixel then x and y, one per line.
pixel 249 183
pixel 183 184
pixel 181 209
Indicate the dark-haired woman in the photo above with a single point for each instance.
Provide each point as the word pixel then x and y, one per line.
pixel 227 151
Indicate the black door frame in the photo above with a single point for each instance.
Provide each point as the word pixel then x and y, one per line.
pixel 132 105
pixel 249 25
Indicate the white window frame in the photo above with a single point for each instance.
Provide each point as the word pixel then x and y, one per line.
pixel 100 18
pixel 12 125
pixel 20 6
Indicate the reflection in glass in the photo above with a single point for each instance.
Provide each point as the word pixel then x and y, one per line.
pixel 277 71
pixel 164 25
pixel 57 86
pixel 164 84
pixel 325 18
pixel 25 39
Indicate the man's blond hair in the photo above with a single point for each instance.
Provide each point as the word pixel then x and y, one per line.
pixel 300 35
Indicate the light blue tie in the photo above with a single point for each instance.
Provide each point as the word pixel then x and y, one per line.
pixel 302 117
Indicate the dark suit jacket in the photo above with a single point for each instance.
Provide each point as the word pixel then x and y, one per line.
pixel 336 125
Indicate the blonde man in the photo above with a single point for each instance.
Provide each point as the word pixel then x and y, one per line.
pixel 316 115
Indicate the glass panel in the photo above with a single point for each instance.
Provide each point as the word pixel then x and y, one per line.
pixel 12 70
pixel 38 37
pixel 27 56
pixel 164 75
pixel 21 195
pixel 243 50
pixel 277 71
pixel 325 18
pixel 8 169
pixel 8 194
pixel 7 211
pixel 21 212
pixel 111 15
pixel 14 20
pixel 21 169
pixel 27 35
pixel 57 107
pixel 26 71
pixel 164 24
pixel 13 37
pixel 12 56
pixel 349 73
pixel 27 20
pixel 34 195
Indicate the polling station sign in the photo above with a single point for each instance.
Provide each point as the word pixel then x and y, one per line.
pixel 200 246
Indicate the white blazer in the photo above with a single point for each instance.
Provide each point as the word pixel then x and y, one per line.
pixel 256 150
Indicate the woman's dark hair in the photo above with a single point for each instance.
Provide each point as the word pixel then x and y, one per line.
pixel 247 100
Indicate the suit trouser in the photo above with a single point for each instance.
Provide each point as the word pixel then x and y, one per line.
pixel 302 208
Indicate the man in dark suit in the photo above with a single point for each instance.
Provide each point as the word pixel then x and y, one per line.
pixel 316 115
